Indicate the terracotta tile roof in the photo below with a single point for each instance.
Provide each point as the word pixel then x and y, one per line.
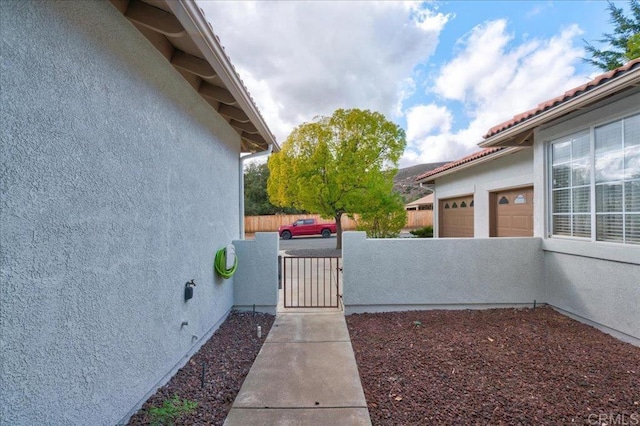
pixel 464 160
pixel 568 95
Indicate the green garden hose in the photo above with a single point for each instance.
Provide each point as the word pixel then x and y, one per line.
pixel 220 263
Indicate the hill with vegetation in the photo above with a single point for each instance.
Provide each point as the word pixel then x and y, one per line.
pixel 404 182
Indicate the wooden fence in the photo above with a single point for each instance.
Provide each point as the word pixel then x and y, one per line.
pixel 415 219
pixel 419 219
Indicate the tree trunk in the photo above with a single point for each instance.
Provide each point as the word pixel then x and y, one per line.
pixel 338 231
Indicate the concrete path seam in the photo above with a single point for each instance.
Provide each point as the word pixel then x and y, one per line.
pixel 315 407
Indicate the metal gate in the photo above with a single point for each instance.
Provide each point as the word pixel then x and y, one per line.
pixel 311 282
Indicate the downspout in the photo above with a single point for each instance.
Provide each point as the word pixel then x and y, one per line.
pixel 432 187
pixel 241 170
pixel 436 219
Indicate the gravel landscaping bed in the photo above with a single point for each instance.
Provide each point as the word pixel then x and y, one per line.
pixel 228 356
pixel 499 366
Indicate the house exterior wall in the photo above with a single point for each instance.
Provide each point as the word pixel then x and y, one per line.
pixel 406 274
pixel 118 183
pixel 599 114
pixel 594 281
pixel 256 279
pixel 602 292
pixel 511 171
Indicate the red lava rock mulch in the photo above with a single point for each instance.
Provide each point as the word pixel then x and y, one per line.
pixel 499 366
pixel 228 356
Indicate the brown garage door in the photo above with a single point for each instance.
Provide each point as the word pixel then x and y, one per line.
pixel 456 217
pixel 512 213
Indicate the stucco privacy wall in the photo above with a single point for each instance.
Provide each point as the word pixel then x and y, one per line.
pixel 256 279
pixel 401 274
pixel 118 182
pixel 511 171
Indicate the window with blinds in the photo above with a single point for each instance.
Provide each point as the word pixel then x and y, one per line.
pixel 617 181
pixel 571 179
pixel 595 184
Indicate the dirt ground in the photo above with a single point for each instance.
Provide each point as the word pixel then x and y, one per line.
pixel 227 357
pixel 500 366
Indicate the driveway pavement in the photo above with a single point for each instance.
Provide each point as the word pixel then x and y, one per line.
pixel 297 243
pixel 314 242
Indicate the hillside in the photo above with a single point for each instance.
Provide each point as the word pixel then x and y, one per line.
pixel 404 181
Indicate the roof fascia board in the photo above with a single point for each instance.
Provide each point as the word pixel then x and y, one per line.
pixel 629 79
pixel 472 163
pixel 200 31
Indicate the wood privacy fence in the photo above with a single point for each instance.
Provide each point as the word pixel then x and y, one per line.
pixel 419 219
pixel 415 219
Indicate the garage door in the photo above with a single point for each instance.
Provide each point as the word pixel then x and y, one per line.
pixel 513 213
pixel 456 217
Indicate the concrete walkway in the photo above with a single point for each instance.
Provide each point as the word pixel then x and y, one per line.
pixel 305 374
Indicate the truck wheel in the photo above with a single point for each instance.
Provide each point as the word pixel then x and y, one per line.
pixel 326 233
pixel 286 235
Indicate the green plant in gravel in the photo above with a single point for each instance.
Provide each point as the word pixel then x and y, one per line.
pixel 171 409
pixel 426 232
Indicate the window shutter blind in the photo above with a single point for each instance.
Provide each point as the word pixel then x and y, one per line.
pixel 615 160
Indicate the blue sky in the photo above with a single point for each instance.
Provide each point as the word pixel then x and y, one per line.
pixel 444 71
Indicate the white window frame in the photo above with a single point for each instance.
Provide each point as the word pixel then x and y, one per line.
pixel 550 189
pixel 548 163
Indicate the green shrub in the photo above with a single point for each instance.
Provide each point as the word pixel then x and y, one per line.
pixel 383 217
pixel 426 232
pixel 171 409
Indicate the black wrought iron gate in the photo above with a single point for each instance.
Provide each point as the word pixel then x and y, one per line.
pixel 311 282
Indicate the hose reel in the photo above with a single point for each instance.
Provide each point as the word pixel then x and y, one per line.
pixel 226 261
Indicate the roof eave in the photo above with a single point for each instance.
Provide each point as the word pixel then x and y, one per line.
pixel 200 31
pixel 510 136
pixel 473 163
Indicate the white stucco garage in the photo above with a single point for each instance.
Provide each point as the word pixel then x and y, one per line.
pixel 481 180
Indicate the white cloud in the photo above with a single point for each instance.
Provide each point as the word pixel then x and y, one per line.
pixel 475 62
pixel 302 59
pixel 271 109
pixel 405 89
pixel 494 79
pixel 424 119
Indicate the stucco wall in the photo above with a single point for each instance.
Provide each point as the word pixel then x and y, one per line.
pixel 597 282
pixel 401 274
pixel 594 282
pixel 256 279
pixel 606 293
pixel 118 183
pixel 511 171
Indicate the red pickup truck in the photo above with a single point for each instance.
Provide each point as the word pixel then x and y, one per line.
pixel 306 227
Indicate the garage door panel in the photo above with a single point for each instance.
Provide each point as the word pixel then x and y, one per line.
pixel 513 213
pixel 521 222
pixel 456 217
